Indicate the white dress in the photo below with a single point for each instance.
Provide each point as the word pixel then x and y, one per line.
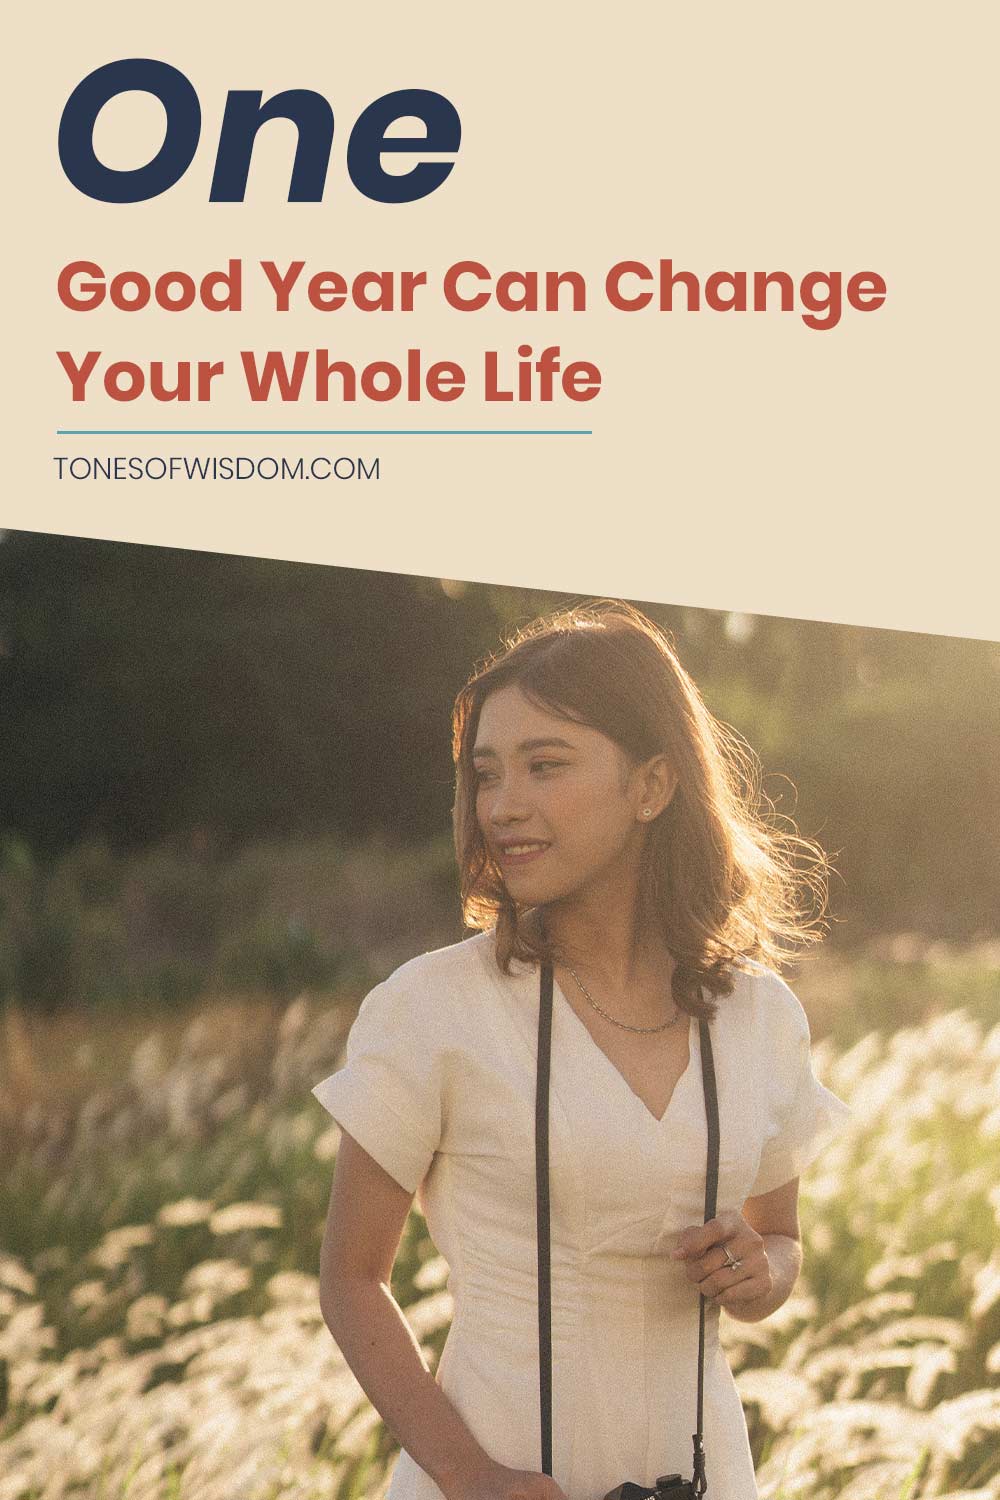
pixel 439 1087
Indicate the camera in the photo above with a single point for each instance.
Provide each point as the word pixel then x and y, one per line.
pixel 667 1487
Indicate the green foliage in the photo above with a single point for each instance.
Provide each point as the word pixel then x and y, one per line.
pixel 175 922
pixel 195 707
pixel 278 957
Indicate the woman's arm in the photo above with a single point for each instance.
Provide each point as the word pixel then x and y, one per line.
pixel 364 1225
pixel 764 1238
pixel 775 1217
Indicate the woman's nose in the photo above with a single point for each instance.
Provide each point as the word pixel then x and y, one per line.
pixel 508 803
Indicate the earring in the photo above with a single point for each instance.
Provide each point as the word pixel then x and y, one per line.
pixel 646 811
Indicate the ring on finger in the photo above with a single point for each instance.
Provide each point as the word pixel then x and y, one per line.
pixel 731 1263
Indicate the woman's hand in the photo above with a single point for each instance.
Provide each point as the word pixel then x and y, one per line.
pixel 496 1482
pixel 702 1247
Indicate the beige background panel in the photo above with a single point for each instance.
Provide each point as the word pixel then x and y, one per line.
pixel 738 461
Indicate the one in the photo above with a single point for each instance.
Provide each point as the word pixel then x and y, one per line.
pixel 308 111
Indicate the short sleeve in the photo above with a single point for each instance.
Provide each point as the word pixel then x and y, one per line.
pixel 388 1094
pixel 804 1115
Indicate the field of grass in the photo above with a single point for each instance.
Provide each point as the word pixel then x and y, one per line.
pixel 164 1183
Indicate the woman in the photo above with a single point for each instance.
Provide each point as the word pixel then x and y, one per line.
pixel 604 821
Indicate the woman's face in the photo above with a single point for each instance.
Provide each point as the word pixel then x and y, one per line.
pixel 561 790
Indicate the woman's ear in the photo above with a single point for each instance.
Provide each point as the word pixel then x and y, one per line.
pixel 660 784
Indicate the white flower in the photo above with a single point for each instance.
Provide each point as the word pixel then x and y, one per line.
pixel 185 1212
pixel 237 1216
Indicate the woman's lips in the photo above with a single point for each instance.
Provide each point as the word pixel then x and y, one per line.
pixel 509 857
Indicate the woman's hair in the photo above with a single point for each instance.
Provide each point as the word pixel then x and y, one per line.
pixel 723 882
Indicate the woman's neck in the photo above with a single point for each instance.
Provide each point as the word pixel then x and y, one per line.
pixel 604 938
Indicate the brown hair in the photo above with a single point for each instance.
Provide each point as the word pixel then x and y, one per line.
pixel 722 880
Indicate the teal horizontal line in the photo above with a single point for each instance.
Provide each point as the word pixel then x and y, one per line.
pixel 324 431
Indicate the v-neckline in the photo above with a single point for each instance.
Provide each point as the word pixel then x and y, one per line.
pixel 655 1120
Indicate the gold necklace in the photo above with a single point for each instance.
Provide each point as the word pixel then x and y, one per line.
pixel 623 1024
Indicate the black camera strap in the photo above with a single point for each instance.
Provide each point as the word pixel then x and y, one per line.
pixel 543 1070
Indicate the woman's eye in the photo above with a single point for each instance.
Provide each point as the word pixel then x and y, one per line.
pixel 480 778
